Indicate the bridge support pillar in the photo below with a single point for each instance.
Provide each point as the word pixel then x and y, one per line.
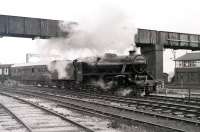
pixel 154 55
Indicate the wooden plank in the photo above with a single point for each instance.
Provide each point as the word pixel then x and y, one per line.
pixel 49 28
pixel 16 25
pixel 184 40
pixel 32 26
pixel 52 27
pixel 173 37
pixel 3 21
pixel 194 40
pixel 144 36
pixel 153 37
pixel 173 40
pixel 163 38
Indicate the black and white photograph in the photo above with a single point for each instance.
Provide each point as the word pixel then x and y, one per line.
pixel 99 66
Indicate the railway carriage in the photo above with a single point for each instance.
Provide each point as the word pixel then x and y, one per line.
pixel 35 73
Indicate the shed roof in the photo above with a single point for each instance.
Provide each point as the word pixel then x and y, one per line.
pixel 5 65
pixel 30 64
pixel 189 56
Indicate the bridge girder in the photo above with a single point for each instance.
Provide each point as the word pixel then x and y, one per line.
pixel 153 42
pixel 27 27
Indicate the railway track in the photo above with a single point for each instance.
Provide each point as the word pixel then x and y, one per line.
pixel 171 107
pixel 34 118
pixel 182 100
pixel 157 104
pixel 11 121
pixel 94 121
pixel 189 113
pixel 129 112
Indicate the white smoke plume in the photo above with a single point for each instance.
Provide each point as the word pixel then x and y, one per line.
pixel 103 85
pixel 112 31
pixel 63 68
pixel 124 92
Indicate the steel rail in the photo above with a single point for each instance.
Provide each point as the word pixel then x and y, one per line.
pixel 50 111
pixel 176 99
pixel 139 111
pixel 142 101
pixel 16 117
pixel 71 102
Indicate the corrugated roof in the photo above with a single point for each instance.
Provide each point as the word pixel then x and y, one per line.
pixel 189 56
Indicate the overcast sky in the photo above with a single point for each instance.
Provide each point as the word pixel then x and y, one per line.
pixel 167 15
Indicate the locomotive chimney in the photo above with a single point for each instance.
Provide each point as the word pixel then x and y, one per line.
pixel 131 52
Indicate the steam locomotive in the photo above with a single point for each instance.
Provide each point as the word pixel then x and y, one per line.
pixel 109 73
pixel 112 73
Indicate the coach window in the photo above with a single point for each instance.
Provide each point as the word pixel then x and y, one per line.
pixel 176 64
pixel 6 71
pixel 0 71
pixel 186 64
pixel 197 63
pixel 180 64
pixel 191 63
pixel 33 70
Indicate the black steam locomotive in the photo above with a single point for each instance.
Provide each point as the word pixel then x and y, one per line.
pixel 115 73
pixel 109 73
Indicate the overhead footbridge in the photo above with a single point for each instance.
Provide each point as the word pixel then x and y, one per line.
pixel 26 27
pixel 153 42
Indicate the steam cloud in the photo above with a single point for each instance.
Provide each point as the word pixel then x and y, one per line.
pixel 103 85
pixel 113 31
pixel 62 68
pixel 124 92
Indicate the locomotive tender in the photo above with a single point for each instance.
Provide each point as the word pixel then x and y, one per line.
pixel 109 73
